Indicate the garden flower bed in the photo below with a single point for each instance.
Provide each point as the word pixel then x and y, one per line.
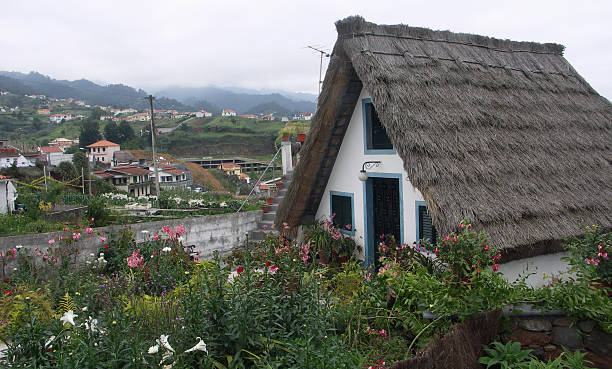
pixel 272 304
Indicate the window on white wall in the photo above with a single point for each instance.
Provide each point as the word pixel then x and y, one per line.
pixel 341 204
pixel 375 134
pixel 425 227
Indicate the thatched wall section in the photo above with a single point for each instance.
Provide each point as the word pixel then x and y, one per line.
pixel 503 133
pixel 460 348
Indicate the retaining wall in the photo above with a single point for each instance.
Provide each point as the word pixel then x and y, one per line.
pixel 210 233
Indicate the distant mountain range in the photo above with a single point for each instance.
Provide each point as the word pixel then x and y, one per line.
pixel 212 99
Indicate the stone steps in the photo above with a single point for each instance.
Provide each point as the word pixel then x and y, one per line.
pixel 265 226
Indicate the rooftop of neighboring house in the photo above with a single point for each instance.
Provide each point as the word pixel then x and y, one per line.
pixel 103 143
pixel 130 170
pixel 50 149
pixel 229 165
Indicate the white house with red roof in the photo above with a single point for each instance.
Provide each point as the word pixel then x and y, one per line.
pixel 102 151
pixel 203 114
pixel 171 175
pixel 60 117
pixel 228 113
pixel 8 158
pixel 54 154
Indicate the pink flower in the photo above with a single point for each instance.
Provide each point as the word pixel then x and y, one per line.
pixel 89 230
pixel 265 226
pixel 383 333
pixel 135 261
pixel 76 235
pixel 486 248
pixel 156 237
pixel 469 226
pixel 166 229
pixel 51 241
pixel 495 267
pixel 349 227
pixel 447 237
pixel 103 239
pixel 180 229
pixel 274 269
pixel 65 228
pixel 455 239
pixel 91 220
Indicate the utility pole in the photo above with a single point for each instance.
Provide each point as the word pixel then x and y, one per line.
pixel 150 98
pixel 320 65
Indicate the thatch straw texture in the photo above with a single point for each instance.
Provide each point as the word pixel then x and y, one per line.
pixel 460 348
pixel 503 133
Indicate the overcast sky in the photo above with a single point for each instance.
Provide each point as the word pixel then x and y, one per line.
pixel 261 44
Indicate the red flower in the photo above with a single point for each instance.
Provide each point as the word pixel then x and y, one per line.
pixel 8 293
pixel 240 270
pixel 495 267
pixel 106 246
pixel 268 264
pixel 154 252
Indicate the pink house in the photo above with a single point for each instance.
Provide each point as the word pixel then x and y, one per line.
pixel 102 151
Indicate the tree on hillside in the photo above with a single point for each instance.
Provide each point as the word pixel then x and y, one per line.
pixel 126 132
pixel 79 159
pixel 66 170
pixel 111 132
pixel 90 132
pixel 96 113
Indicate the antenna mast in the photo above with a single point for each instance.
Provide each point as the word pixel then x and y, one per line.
pixel 320 64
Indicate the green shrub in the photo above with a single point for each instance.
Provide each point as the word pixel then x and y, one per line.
pixel 98 211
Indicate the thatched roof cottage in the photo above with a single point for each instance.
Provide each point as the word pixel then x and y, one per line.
pixel 506 134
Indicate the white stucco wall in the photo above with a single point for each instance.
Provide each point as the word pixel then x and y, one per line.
pixel 535 267
pixel 344 178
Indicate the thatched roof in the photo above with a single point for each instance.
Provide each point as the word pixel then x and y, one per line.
pixel 503 133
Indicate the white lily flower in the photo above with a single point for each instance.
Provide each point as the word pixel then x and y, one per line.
pixel 166 249
pixel 181 239
pixel 91 324
pixel 68 317
pixel 18 247
pixel 163 341
pixel 200 346
pixel 153 349
pixel 48 342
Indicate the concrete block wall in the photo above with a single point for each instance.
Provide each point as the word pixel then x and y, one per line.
pixel 210 233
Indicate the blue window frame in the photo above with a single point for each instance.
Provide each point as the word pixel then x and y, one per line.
pixel 424 225
pixel 375 138
pixel 343 205
pixel 368 210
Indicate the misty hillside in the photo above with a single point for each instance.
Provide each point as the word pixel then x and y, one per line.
pixel 240 102
pixel 212 99
pixel 115 95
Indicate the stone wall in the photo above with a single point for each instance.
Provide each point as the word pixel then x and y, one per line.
pixel 210 233
pixel 547 335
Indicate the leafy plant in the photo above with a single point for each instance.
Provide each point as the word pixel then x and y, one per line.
pixel 590 255
pixel 508 356
pixel 464 251
pixel 324 237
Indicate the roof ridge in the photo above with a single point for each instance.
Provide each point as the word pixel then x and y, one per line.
pixel 357 26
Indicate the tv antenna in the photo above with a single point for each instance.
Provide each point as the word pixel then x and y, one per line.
pixel 323 53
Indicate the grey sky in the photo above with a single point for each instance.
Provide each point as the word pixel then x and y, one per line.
pixel 260 44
